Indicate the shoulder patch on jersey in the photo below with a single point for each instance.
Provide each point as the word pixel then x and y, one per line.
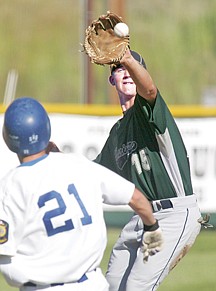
pixel 4 227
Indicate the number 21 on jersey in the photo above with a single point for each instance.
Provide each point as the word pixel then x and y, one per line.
pixel 60 210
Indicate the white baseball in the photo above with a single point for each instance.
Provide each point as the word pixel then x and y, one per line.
pixel 121 29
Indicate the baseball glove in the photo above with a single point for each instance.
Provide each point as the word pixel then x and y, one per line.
pixel 101 44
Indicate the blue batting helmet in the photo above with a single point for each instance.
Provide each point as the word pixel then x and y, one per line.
pixel 26 129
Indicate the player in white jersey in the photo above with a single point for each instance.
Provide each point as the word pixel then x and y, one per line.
pixel 52 231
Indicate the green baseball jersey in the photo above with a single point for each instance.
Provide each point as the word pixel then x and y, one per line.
pixel 145 147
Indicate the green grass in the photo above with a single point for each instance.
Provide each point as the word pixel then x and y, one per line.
pixel 196 272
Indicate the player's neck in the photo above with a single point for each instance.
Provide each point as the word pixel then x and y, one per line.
pixel 126 103
pixel 32 157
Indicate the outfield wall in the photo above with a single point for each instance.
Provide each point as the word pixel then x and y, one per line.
pixel 84 129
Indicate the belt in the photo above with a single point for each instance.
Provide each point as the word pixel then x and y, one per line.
pixel 161 204
pixel 30 284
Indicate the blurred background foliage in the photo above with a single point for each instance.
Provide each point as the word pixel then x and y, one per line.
pixel 41 41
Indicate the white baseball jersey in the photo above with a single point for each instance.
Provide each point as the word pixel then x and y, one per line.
pixel 51 218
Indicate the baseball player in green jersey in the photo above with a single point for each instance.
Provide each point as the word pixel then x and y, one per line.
pixel 145 147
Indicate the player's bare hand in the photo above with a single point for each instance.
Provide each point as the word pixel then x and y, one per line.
pixel 152 243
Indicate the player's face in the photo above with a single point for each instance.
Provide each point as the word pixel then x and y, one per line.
pixel 121 79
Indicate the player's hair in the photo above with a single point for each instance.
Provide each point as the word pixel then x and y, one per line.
pixel 26 129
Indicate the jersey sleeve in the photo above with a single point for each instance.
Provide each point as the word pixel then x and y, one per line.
pixel 116 190
pixel 156 115
pixel 7 243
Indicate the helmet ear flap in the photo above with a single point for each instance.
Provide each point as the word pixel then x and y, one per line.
pixel 26 128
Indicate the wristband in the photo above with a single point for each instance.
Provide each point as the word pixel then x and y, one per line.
pixel 152 227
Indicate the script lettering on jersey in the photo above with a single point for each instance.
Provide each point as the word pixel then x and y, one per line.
pixel 122 154
pixel 60 210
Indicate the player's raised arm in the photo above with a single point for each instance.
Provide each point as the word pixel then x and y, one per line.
pixel 141 77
